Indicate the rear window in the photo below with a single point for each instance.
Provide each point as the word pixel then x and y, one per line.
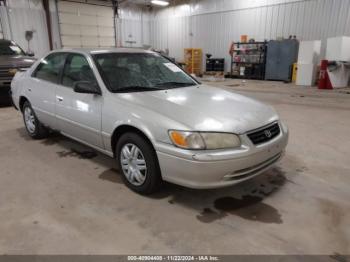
pixel 50 68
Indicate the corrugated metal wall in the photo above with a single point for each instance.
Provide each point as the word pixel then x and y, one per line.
pixel 1 33
pixel 213 24
pixel 209 24
pixel 22 15
pixel 133 26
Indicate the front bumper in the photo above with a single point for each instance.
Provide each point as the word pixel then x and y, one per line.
pixel 5 86
pixel 214 169
pixel 5 97
pixel 5 82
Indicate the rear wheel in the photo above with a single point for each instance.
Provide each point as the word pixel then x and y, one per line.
pixel 138 163
pixel 33 126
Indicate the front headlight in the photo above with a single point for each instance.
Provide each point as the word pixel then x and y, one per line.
pixel 188 140
pixel 204 140
pixel 220 140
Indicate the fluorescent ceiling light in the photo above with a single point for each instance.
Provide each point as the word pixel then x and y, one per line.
pixel 160 2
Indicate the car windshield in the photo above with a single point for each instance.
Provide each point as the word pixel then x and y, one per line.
pixel 136 72
pixel 9 48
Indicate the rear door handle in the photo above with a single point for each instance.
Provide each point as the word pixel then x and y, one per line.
pixel 59 98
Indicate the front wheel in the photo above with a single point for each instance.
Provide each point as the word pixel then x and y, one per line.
pixel 138 163
pixel 33 126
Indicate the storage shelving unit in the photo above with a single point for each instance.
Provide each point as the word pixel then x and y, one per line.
pixel 193 60
pixel 248 60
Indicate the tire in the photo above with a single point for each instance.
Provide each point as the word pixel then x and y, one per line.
pixel 5 98
pixel 138 164
pixel 34 128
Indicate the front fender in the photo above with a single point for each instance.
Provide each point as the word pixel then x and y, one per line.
pixel 154 125
pixel 138 125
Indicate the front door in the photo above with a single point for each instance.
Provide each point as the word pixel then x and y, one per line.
pixel 78 115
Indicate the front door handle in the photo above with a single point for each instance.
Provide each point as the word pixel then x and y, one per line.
pixel 59 98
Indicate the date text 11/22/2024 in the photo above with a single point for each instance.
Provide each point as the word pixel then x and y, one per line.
pixel 173 258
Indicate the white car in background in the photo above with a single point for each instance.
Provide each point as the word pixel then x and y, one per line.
pixel 155 119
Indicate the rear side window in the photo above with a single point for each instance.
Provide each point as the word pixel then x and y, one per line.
pixel 77 69
pixel 49 69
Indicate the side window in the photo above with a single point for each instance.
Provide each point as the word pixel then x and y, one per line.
pixel 49 69
pixel 77 69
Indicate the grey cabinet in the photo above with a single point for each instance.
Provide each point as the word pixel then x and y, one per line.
pixel 280 57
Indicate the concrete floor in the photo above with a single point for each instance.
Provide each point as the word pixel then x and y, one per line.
pixel 59 197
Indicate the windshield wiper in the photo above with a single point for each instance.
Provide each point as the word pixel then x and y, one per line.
pixel 135 89
pixel 176 84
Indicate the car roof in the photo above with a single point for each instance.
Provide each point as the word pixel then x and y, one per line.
pixel 105 50
pixel 5 41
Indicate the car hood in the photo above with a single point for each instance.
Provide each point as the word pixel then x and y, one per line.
pixel 206 108
pixel 16 61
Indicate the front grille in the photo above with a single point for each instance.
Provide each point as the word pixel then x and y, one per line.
pixel 264 134
pixel 4 73
pixel 250 171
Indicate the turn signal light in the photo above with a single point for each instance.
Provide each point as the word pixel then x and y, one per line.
pixel 178 139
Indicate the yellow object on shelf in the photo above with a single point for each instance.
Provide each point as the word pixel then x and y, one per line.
pixel 193 60
pixel 294 72
pixel 244 38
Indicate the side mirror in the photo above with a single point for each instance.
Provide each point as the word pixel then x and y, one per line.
pixel 86 87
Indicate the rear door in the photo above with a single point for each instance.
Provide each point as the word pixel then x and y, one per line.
pixel 79 115
pixel 42 86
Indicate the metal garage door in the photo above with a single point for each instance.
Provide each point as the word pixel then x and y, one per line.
pixel 85 25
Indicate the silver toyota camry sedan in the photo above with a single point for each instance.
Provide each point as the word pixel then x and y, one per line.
pixel 156 120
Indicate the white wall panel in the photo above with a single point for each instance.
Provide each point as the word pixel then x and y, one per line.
pixel 1 23
pixel 1 34
pixel 5 23
pixel 213 25
pixel 30 4
pixel 208 24
pixel 133 26
pixel 21 16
